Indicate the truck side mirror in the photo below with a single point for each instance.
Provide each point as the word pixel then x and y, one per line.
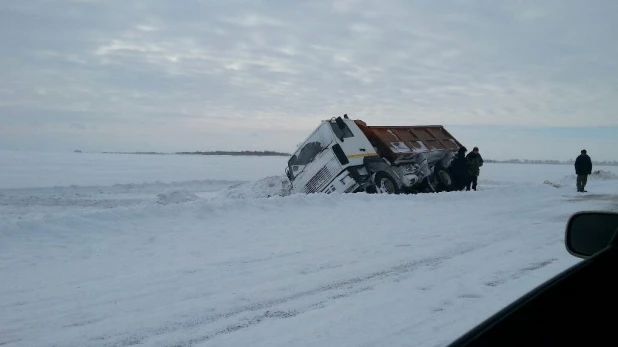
pixel 588 233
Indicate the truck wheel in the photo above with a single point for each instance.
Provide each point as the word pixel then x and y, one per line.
pixel 445 179
pixel 385 183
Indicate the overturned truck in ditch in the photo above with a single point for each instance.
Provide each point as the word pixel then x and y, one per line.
pixel 347 156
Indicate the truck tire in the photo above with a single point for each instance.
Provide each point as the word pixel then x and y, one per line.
pixel 385 183
pixel 445 180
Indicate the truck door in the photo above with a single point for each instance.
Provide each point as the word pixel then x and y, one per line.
pixel 353 142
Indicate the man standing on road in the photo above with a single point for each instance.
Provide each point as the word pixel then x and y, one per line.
pixel 583 168
pixel 475 161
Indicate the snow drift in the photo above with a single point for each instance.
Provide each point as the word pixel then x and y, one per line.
pixel 173 196
pixel 262 188
pixel 597 175
pixel 602 175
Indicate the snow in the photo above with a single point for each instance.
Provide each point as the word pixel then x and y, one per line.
pixel 601 175
pixel 188 251
pixel 174 196
pixel 38 169
pixel 597 175
pixel 262 188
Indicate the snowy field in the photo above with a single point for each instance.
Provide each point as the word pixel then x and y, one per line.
pixel 149 250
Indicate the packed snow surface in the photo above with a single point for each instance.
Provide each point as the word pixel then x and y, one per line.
pixel 119 250
pixel 173 196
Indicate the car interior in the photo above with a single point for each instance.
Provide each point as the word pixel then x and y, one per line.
pixel 576 307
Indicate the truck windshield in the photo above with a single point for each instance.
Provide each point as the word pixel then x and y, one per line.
pixel 314 145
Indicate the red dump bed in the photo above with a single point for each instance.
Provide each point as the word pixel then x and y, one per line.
pixel 403 142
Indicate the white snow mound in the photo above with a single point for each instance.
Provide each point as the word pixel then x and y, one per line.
pixel 174 196
pixel 603 175
pixel 555 185
pixel 263 188
pixel 597 175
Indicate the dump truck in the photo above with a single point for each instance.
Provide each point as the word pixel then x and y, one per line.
pixel 348 156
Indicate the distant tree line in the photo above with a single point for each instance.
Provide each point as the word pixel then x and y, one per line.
pixel 157 153
pixel 240 153
pixel 554 162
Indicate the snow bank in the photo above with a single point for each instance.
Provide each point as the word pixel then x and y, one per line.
pixel 596 176
pixel 602 175
pixel 143 188
pixel 263 188
pixel 35 201
pixel 173 196
pixel 526 174
pixel 555 185
pixel 32 169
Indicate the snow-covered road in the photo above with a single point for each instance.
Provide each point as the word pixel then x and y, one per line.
pixel 199 264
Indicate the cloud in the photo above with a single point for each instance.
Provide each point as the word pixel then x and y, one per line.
pixel 78 126
pixel 236 66
pixel 253 20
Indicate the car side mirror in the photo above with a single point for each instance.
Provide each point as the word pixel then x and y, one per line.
pixel 588 233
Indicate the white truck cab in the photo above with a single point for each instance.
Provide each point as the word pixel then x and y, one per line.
pixel 321 163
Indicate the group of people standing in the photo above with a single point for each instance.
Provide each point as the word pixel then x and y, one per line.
pixel 466 168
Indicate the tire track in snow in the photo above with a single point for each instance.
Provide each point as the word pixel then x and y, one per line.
pixel 517 274
pixel 323 294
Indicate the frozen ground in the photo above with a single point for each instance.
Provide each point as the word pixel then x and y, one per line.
pixel 120 250
pixel 32 169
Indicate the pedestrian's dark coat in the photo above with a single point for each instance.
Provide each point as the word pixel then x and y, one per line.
pixel 475 161
pixel 583 165
pixel 459 166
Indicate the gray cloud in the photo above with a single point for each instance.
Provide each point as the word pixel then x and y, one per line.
pixel 236 67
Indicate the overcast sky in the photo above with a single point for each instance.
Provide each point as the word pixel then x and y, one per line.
pixel 519 78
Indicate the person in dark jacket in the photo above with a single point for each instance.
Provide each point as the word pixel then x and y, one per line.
pixel 583 168
pixel 475 161
pixel 459 169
